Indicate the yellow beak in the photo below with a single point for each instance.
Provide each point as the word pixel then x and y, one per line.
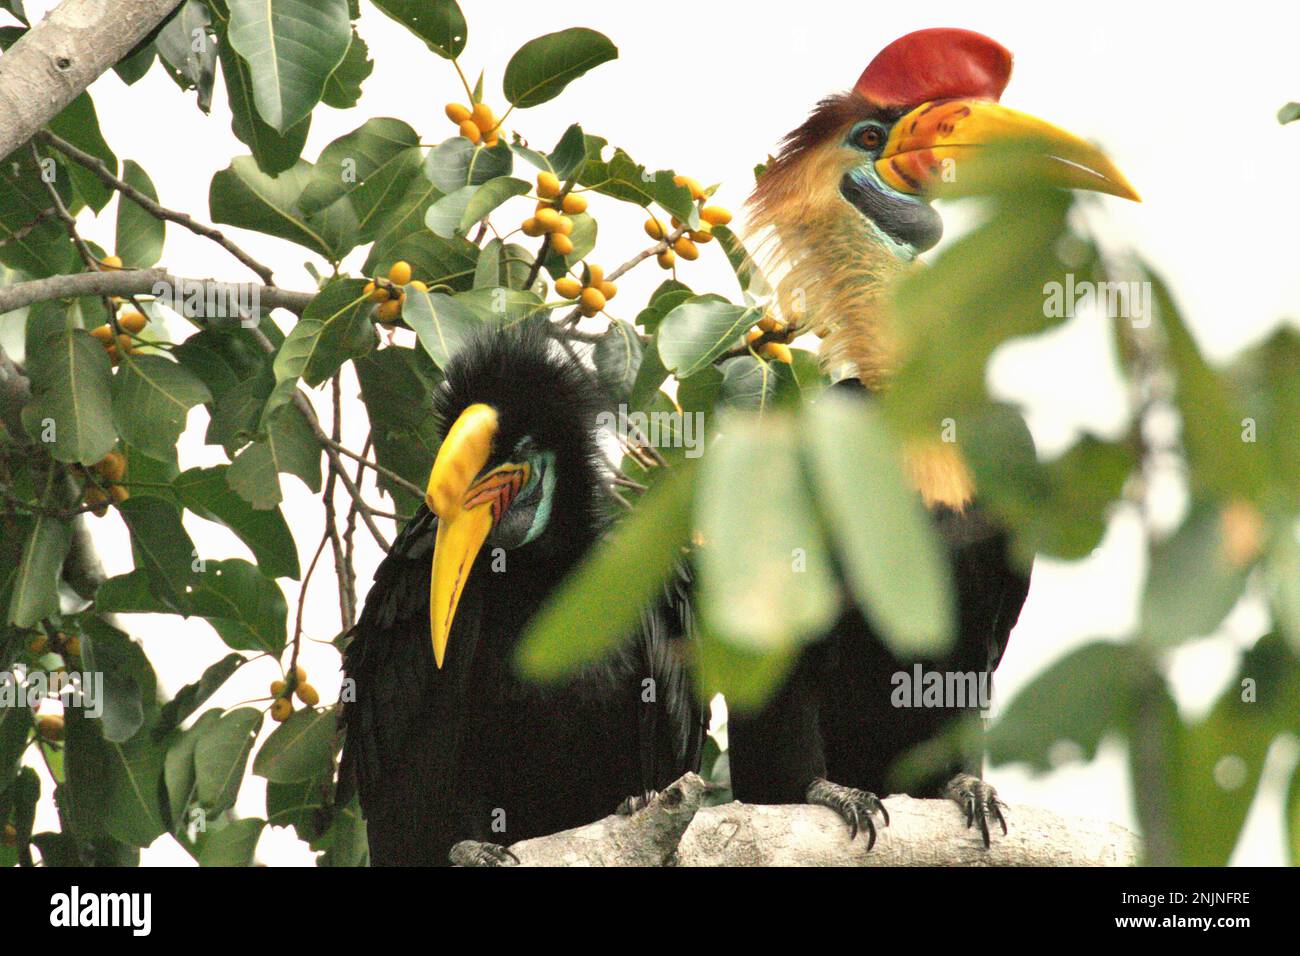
pixel 468 505
pixel 926 148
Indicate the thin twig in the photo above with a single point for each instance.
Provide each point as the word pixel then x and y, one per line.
pixel 365 462
pixel 97 166
pixel 127 282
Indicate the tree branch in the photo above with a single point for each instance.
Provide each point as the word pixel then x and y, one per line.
pixel 151 206
pixel 129 282
pixel 675 830
pixel 53 63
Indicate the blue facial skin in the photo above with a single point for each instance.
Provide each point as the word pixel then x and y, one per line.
pixel 530 512
pixel 905 222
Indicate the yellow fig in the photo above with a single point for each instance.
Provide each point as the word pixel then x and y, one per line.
pixel 548 185
pixel 470 131
pixel 666 259
pixel 133 321
pixel 531 227
pixel 400 272
pixel 561 244
pixel 593 299
pixel 574 204
pixel 685 248
pixel 568 287
pixel 654 228
pixel 715 215
pixel 457 112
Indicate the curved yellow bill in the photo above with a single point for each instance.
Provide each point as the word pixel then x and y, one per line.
pixel 468 502
pixel 461 531
pixel 927 146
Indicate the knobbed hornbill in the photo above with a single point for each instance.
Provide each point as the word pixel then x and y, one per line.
pixel 845 208
pixel 454 754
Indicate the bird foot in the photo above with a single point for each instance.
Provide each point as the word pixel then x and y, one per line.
pixel 474 853
pixel 854 806
pixel 638 801
pixel 978 801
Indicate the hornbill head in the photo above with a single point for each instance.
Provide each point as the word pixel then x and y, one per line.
pixel 516 464
pixel 920 107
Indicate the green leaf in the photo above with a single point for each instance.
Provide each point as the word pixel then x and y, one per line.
pixel 207 493
pixel 442 323
pixel 343 88
pixel 601 601
pixel 1191 585
pixel 368 163
pixel 244 196
pixel 766 581
pixel 232 844
pixel 287 446
pixel 392 382
pixel 747 273
pixel 543 67
pixel 71 398
pixel 272 151
pixel 193 696
pixel 334 327
pixel 456 162
pixel 36 578
pixel 617 355
pixel 300 749
pixel 175 44
pixel 987 287
pixel 130 686
pixel 434 260
pixel 748 383
pixel 34 241
pixel 1288 113
pixel 79 125
pixel 1090 692
pixel 1222 462
pixel 132 813
pixel 697 331
pixel 569 153
pixel 245 607
pixel 162 549
pixel 220 756
pixel 439 23
pixel 178 765
pixel 152 397
pixel 456 213
pixel 291 47
pixel 139 236
pixel 893 563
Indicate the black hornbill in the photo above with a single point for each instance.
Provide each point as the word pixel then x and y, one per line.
pixel 846 207
pixel 445 742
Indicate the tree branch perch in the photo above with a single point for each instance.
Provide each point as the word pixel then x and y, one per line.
pixel 675 831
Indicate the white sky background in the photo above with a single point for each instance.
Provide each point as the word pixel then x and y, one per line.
pixel 1184 104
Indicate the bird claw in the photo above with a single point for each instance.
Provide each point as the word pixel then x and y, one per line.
pixel 978 801
pixel 854 806
pixel 474 853
pixel 637 801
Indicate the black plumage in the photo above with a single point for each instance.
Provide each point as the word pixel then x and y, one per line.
pixel 471 750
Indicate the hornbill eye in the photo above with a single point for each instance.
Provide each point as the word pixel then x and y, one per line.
pixel 871 138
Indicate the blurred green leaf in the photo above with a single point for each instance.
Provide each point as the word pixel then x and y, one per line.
pixel 130 687
pixel 456 163
pixel 193 696
pixel 857 476
pixel 272 151
pixel 1078 699
pixel 1192 584
pixel 36 578
pixel 617 355
pixel 368 164
pixel 244 196
pixel 765 575
pixel 601 601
